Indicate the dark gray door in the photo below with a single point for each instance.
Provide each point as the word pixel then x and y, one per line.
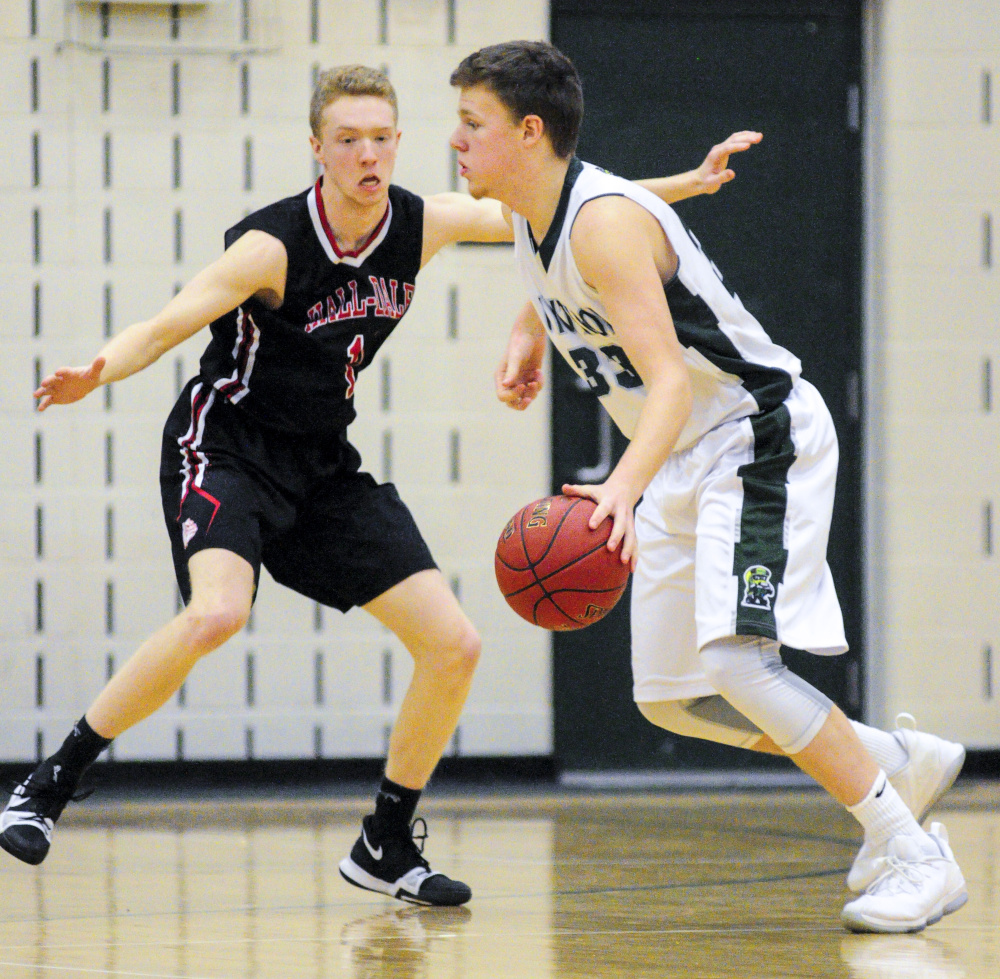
pixel 662 82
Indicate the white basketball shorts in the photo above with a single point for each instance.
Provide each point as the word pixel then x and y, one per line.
pixel 732 542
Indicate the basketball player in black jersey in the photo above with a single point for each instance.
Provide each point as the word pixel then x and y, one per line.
pixel 257 468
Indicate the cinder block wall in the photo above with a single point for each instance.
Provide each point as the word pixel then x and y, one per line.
pixel 130 144
pixel 934 342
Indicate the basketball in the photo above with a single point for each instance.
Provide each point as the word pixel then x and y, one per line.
pixel 553 569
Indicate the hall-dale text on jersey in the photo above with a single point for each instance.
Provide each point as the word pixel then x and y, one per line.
pixel 354 300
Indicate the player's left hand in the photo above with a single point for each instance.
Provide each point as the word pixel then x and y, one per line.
pixel 615 501
pixel 714 170
pixel 517 385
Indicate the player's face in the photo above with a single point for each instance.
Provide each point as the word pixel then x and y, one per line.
pixel 487 140
pixel 358 147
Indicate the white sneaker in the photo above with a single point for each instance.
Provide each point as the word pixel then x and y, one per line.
pixel 932 768
pixel 933 765
pixel 918 882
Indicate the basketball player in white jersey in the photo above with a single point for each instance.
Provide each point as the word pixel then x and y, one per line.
pixel 734 456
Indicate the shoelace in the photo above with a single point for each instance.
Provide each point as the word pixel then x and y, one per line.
pixel 46 793
pixel 892 870
pixel 418 838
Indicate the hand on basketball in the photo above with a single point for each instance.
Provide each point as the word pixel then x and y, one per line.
pixel 517 386
pixel 69 384
pixel 714 170
pixel 613 501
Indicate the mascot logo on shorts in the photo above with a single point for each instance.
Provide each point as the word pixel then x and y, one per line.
pixel 758 590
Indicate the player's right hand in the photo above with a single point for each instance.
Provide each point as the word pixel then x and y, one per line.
pixel 613 500
pixel 517 386
pixel 69 384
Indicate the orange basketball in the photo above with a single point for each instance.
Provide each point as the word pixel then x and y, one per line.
pixel 553 569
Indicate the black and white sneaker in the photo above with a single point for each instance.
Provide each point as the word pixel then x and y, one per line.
pixel 395 866
pixel 27 822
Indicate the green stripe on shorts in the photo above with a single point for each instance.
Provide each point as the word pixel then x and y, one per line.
pixel 760 557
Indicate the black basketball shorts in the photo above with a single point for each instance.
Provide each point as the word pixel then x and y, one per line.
pixel 295 504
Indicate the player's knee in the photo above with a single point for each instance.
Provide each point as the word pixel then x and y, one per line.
pixel 465 650
pixel 210 624
pixel 730 664
pixel 454 658
pixel 714 663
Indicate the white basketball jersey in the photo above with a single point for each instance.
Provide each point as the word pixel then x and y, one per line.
pixel 734 367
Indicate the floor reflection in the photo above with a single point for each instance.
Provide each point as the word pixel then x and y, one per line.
pixel 396 942
pixel 568 887
pixel 901 957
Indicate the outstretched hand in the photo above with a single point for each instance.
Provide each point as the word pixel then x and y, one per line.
pixel 714 170
pixel 69 384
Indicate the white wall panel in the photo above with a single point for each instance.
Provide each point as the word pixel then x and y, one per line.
pixel 16 245
pixel 282 159
pixel 934 468
pixel 920 305
pixel 74 527
pixel 349 22
pixel 74 605
pixel 17 737
pixel 218 682
pixel 74 450
pixel 283 675
pixel 140 87
pixel 356 734
pixel 13 21
pixel 209 89
pixel 280 91
pixel 478 23
pixel 144 597
pixel 19 469
pixel 496 732
pixel 72 308
pixel 917 25
pixel 17 679
pixel 16 154
pixel 283 735
pixel 280 612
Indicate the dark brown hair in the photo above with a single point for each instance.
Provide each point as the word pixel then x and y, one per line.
pixel 531 78
pixel 348 80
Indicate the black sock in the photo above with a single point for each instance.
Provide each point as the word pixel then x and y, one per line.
pixel 78 752
pixel 394 808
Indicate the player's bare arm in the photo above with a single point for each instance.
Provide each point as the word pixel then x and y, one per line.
pixel 255 264
pixel 621 252
pixel 453 217
pixel 519 375
pixel 707 178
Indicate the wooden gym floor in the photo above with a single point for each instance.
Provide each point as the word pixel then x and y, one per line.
pixel 706 885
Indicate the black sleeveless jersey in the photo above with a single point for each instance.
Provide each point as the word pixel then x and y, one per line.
pixel 294 368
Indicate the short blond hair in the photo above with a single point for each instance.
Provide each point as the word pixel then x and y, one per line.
pixel 349 80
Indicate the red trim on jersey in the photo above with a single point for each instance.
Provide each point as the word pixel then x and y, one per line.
pixel 246 339
pixel 321 210
pixel 195 463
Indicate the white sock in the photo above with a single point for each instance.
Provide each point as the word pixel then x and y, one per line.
pixel 883 747
pixel 883 814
